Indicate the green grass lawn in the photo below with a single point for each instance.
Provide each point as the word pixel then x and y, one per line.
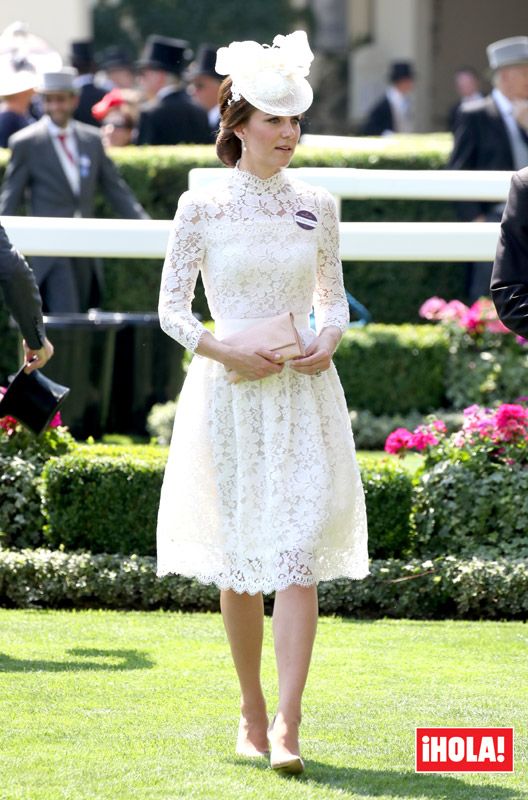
pixel 144 705
pixel 371 458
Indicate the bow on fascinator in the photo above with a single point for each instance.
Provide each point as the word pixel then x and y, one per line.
pixel 267 76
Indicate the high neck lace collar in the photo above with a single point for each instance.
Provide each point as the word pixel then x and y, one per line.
pixel 249 180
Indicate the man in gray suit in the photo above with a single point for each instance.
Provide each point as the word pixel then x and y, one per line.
pixel 23 301
pixel 61 163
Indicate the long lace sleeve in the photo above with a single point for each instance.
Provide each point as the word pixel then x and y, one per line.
pixel 330 302
pixel 185 251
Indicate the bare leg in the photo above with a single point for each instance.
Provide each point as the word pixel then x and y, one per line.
pixel 243 616
pixel 294 627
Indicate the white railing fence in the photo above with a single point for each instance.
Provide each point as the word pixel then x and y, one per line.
pixel 365 241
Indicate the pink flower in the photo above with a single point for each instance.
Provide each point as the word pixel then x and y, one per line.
pixel 511 421
pixel 521 340
pixel 496 326
pixel 8 424
pixel 432 308
pixel 455 310
pixel 422 438
pixel 398 440
pixel 439 426
pixel 472 321
pixel 56 422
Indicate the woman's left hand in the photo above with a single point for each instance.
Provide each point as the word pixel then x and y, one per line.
pixel 318 354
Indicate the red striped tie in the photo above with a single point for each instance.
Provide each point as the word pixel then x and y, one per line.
pixel 62 139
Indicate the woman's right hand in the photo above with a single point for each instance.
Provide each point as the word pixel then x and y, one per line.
pixel 252 365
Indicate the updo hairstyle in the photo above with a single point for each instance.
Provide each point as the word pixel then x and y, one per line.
pixel 228 145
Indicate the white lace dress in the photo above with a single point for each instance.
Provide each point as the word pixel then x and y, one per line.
pixel 261 488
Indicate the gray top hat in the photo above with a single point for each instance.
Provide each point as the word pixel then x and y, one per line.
pixel 61 81
pixel 508 52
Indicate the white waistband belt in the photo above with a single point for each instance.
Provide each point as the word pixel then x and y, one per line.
pixel 225 327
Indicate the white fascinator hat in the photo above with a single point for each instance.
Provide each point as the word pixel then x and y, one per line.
pixel 272 79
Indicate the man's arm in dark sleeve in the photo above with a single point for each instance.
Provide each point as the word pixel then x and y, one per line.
pixel 16 179
pixel 509 280
pixel 21 293
pixel 118 192
pixel 464 156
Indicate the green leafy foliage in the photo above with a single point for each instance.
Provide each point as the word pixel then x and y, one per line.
pixel 462 508
pixel 447 587
pixel 131 21
pixel 490 368
pixel 22 456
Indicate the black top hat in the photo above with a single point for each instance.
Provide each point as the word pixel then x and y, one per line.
pixel 400 70
pixel 82 53
pixel 114 57
pixel 162 52
pixel 32 399
pixel 204 63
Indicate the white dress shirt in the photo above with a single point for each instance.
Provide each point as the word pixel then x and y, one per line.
pixel 71 168
pixel 401 110
pixel 518 145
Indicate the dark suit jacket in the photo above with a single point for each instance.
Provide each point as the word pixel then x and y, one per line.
pixel 173 119
pixel 481 142
pixel 21 293
pixel 509 280
pixel 35 168
pixel 88 97
pixel 379 119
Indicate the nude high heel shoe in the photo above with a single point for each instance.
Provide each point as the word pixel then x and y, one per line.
pixel 290 766
pixel 244 748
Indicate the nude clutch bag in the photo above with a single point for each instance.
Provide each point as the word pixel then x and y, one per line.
pixel 278 334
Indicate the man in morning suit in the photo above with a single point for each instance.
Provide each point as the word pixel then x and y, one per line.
pixel 205 82
pixel 22 297
pixel 62 163
pixel 169 116
pixel 393 112
pixel 83 60
pixel 509 279
pixel 492 133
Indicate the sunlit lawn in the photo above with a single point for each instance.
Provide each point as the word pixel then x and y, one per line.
pixel 101 705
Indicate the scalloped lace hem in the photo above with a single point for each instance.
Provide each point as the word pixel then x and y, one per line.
pixel 264 586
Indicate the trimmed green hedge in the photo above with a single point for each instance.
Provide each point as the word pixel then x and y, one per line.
pixel 389 369
pixel 126 483
pixel 439 589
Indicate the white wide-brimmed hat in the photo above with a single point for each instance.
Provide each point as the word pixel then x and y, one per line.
pixel 273 79
pixel 16 81
pixel 508 52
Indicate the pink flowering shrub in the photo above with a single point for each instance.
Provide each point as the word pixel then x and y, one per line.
pixel 494 435
pixel 474 320
pixel 487 363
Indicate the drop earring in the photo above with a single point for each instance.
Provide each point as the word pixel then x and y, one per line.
pixel 244 148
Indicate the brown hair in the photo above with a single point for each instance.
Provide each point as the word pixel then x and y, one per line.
pixel 228 145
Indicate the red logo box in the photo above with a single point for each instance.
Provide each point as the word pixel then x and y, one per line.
pixel 464 749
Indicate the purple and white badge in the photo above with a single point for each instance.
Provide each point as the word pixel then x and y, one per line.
pixel 305 219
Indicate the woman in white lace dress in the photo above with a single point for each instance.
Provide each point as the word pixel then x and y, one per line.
pixel 262 491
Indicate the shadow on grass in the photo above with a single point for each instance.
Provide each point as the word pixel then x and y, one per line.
pixel 126 660
pixel 358 783
pixel 398 784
